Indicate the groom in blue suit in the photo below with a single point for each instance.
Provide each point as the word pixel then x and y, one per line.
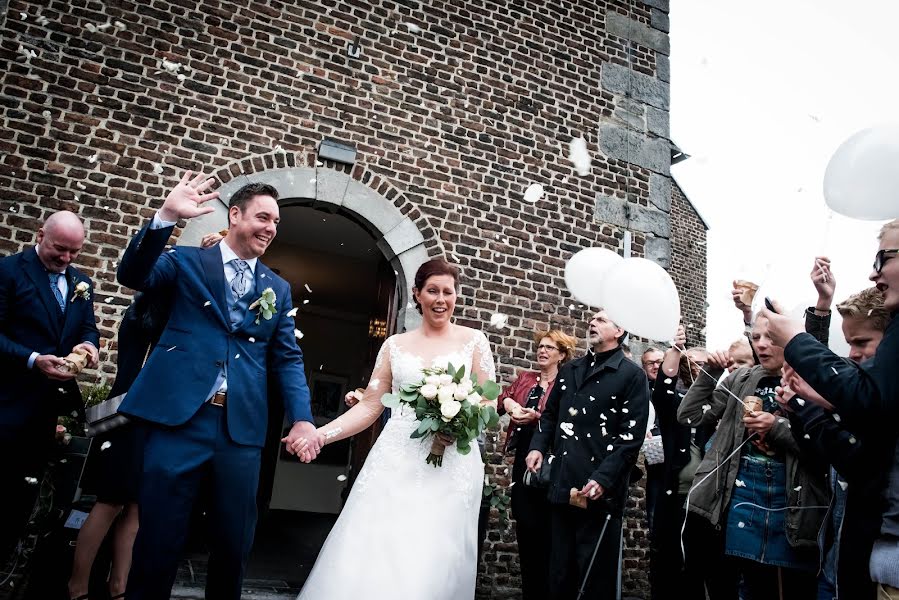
pixel 203 390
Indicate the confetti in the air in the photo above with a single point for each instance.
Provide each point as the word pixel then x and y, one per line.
pixel 412 28
pixel 843 484
pixel 579 156
pixel 308 289
pixel 836 417
pixel 298 334
pixel 852 439
pixel 741 524
pixel 341 477
pixel 610 447
pixel 706 407
pixel 797 488
pixel 572 410
pixel 668 492
pixel 800 401
pixel 172 348
pixel 533 193
pixel 739 483
pixel 236 356
pixel 668 380
pixel 105 445
pixel 207 303
pixel 498 320
pixel 567 428
pixel 627 436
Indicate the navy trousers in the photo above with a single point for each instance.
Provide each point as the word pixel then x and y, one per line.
pixel 177 462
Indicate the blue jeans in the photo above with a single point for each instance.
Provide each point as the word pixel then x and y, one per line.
pixel 756 527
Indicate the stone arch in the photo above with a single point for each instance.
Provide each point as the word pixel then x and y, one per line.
pixel 400 231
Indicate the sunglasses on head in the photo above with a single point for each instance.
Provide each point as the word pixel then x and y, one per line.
pixel 882 257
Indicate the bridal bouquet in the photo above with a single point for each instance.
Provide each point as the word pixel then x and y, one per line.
pixel 447 402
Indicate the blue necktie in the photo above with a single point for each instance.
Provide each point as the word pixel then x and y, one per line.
pixel 239 283
pixel 54 285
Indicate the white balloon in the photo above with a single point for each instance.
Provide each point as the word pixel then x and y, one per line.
pixel 585 271
pixel 862 178
pixel 640 296
pixel 533 193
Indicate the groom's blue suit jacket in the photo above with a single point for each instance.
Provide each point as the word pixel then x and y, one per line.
pixel 199 340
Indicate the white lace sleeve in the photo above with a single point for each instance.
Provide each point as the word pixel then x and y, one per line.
pixel 367 410
pixel 482 358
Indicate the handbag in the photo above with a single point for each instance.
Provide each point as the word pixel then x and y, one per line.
pixel 540 479
pixel 105 416
pixel 653 450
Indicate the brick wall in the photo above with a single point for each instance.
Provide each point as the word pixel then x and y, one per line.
pixel 454 109
pixel 689 265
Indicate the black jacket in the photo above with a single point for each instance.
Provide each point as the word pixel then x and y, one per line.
pixel 607 406
pixel 676 438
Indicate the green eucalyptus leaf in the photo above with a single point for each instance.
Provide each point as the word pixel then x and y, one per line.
pixel 457 377
pixel 490 390
pixel 390 401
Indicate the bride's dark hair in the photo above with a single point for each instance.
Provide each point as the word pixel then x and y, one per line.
pixel 434 267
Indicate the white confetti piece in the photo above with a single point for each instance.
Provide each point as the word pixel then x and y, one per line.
pixel 592 398
pixel 668 492
pixel 157 168
pixel 564 387
pixel 237 355
pixel 797 488
pixel 80 186
pixel 739 483
pixel 671 392
pixel 31 480
pixel 412 28
pixel 252 340
pixel 567 428
pixel 308 289
pixel 852 439
pixel 105 445
pixel 341 477
pixel 588 435
pixel 603 431
pixel 92 159
pixel 172 348
pixel 843 484
pixel 603 416
pixel 498 321
pixel 579 156
pixel 610 447
pixel 533 193
pixel 292 312
pixel 42 20
pixel 207 303
pixel 91 27
pixel 584 410
pixel 836 417
pixel 613 410
pixel 627 436
pixel 613 397
pixel 800 401
pixel 572 410
pixel 834 370
pixel 624 410
pixel 298 334
pixel 741 524
pixel 807 436
pixel 119 25
pixel 632 423
pixel 108 300
pixel 706 407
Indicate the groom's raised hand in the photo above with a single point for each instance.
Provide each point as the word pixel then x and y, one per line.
pixel 304 440
pixel 186 199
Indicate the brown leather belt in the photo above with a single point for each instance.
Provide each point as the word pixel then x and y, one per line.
pixel 218 399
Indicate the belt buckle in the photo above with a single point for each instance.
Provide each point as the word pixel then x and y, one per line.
pixel 218 399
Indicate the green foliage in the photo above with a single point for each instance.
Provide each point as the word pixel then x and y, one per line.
pixel 497 498
pixel 467 419
pixel 265 305
pixel 95 394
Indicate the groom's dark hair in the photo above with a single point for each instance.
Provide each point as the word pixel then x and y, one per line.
pixel 242 197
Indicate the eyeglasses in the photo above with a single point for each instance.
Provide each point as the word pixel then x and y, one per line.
pixel 882 257
pixel 548 347
pixel 657 363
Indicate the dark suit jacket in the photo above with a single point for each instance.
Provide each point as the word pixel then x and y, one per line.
pixel 198 341
pixel 30 321
pixel 603 403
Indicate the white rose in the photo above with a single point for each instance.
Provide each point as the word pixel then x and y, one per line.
pixel 450 409
pixel 474 398
pixel 445 393
pixel 460 393
pixel 428 390
pixel 446 379
pixel 81 287
pixel 432 380
pixel 467 385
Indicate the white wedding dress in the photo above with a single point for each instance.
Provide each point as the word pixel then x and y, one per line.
pixel 408 530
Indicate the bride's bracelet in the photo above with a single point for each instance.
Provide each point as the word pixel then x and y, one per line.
pixel 333 433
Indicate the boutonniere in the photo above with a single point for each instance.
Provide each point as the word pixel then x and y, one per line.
pixel 82 290
pixel 265 305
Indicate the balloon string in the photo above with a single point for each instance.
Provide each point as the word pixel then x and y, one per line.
pixel 718 383
pixel 738 504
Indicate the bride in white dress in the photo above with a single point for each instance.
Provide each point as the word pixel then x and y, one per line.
pixel 408 530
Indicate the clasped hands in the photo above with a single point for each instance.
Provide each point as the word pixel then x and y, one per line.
pixel 53 366
pixel 304 441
